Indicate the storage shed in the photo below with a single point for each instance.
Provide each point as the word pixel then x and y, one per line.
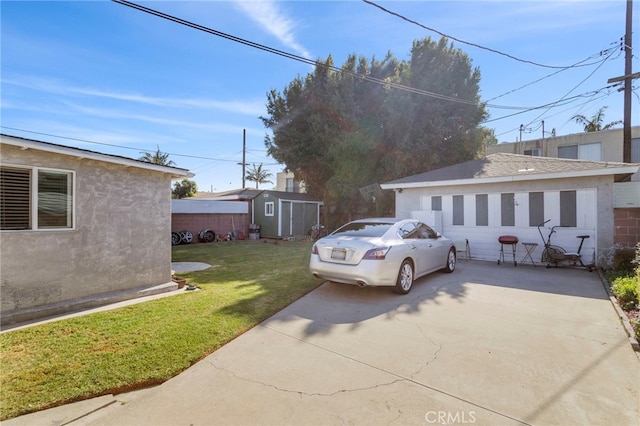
pixel 285 214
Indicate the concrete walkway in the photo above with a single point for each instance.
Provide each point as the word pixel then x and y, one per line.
pixel 488 345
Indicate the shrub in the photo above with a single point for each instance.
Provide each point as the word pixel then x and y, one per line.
pixel 624 259
pixel 626 291
pixel 634 319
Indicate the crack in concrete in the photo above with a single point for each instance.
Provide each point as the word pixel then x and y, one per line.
pixel 303 393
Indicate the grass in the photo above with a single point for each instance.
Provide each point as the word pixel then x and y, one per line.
pixel 147 343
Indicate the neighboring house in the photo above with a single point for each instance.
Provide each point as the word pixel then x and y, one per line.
pixel 286 182
pixel 605 145
pixel 509 194
pixel 79 229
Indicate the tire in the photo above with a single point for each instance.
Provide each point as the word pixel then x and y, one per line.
pixel 451 261
pixel 175 239
pixel 186 237
pixel 209 236
pixel 405 278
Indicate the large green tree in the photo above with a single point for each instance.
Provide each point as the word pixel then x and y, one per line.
pixel 339 132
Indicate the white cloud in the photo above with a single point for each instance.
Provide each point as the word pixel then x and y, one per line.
pixel 250 107
pixel 269 16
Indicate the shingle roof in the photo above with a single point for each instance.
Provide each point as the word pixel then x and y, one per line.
pixel 504 165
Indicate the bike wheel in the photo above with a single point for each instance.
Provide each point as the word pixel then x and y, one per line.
pixel 553 255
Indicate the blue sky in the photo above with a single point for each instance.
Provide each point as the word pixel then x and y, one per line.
pixel 102 76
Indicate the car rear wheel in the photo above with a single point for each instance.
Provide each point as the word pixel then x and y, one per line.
pixel 451 261
pixel 405 278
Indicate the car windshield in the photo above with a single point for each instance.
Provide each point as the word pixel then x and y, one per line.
pixel 363 229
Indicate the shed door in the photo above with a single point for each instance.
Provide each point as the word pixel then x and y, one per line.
pixel 285 219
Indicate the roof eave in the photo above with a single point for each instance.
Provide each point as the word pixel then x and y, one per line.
pixel 25 144
pixel 625 170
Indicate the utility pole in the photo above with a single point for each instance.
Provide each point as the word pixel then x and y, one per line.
pixel 627 78
pixel 626 138
pixel 244 157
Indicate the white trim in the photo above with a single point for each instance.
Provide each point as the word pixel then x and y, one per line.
pixel 33 207
pixel 25 144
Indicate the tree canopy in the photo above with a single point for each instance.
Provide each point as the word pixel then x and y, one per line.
pixel 594 124
pixel 258 175
pixel 157 157
pixel 183 189
pixel 339 131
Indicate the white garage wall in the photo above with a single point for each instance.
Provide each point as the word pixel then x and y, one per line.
pixel 483 240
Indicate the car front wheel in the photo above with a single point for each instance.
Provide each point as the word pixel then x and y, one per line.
pixel 405 278
pixel 451 261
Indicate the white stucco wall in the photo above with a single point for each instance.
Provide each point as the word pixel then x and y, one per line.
pixel 594 211
pixel 121 239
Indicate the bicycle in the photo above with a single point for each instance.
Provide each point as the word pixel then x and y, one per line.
pixel 318 231
pixel 554 254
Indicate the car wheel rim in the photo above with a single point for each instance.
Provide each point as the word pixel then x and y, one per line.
pixel 406 277
pixel 452 260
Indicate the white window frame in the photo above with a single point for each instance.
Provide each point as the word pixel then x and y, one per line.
pixel 269 208
pixel 33 188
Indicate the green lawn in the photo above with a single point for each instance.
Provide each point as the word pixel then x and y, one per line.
pixel 147 343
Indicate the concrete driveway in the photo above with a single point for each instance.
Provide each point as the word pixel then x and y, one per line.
pixel 487 345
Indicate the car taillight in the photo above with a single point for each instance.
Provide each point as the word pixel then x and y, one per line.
pixel 314 249
pixel 377 253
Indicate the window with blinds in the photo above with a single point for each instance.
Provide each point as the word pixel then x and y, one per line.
pixel 15 198
pixel 51 209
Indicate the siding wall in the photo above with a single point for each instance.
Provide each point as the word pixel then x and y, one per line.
pixel 121 240
pixel 594 214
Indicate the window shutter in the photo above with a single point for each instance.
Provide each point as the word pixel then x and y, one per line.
pixel 15 198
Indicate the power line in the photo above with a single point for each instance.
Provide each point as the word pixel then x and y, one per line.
pixel 117 146
pixel 561 102
pixel 576 86
pixel 601 53
pixel 386 83
pixel 470 43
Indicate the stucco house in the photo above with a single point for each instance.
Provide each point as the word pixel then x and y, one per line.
pixel 510 194
pixel 79 228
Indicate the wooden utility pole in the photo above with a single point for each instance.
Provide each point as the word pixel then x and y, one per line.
pixel 244 157
pixel 626 144
pixel 627 78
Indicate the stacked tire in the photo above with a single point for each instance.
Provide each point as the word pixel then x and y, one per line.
pixel 207 235
pixel 181 237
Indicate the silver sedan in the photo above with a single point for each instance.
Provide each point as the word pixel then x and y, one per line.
pixel 381 252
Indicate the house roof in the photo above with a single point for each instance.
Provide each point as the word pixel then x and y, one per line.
pixel 250 194
pixel 25 143
pixel 234 194
pixel 504 167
